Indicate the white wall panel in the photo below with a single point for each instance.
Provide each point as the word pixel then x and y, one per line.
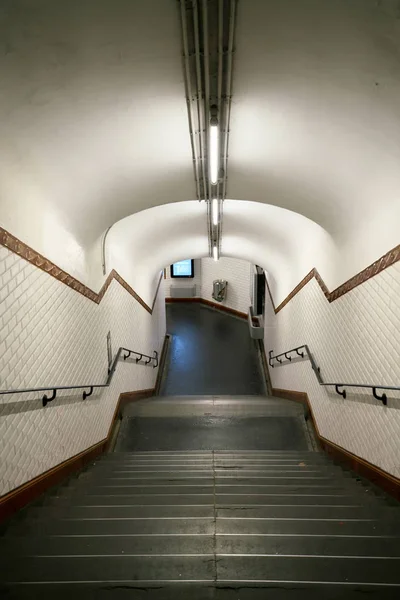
pixel 50 334
pixel 237 274
pixel 355 339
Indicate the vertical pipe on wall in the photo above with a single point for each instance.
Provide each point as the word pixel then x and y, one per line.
pixel 103 250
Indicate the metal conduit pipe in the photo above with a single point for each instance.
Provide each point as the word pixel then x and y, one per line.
pixel 220 50
pixel 207 118
pixel 206 86
pixel 189 97
pixel 199 93
pixel 229 90
pixel 103 250
pixel 219 104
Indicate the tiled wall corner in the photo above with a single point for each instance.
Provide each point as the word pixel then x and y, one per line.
pixel 49 334
pixel 355 339
pixel 236 272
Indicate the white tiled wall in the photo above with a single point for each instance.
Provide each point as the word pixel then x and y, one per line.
pixel 355 339
pixel 50 334
pixel 237 274
pixel 235 271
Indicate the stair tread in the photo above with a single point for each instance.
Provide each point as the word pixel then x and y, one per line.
pixel 118 511
pixel 194 567
pixel 239 517
pixel 187 544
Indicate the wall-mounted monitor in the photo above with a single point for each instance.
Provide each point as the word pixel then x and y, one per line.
pixel 183 268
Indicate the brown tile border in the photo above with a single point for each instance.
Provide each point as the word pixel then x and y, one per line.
pixel 377 476
pixel 389 259
pixel 221 307
pixel 38 260
pixel 15 245
pixel 31 490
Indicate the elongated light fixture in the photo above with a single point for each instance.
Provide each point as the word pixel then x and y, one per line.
pixel 214 153
pixel 215 253
pixel 215 211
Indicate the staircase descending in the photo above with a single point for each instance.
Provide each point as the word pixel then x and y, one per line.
pixel 206 524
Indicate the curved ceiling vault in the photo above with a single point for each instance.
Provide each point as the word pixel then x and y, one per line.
pixel 93 128
pixel 142 244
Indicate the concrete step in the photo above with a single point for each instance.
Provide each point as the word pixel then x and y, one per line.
pixel 110 470
pixel 161 522
pixel 198 487
pixel 246 525
pixel 292 476
pixel 201 454
pixel 109 545
pixel 192 525
pixel 228 568
pixel 123 568
pixel 308 569
pixel 307 546
pixel 125 495
pixel 200 590
pixel 116 511
pixel 200 544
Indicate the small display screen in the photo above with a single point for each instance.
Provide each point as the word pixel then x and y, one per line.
pixel 183 268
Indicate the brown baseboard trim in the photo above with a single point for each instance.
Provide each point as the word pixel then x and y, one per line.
pixel 28 492
pixel 221 307
pixel 127 398
pixel 175 300
pixel 374 474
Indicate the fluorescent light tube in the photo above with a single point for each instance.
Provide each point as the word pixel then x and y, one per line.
pixel 214 210
pixel 214 153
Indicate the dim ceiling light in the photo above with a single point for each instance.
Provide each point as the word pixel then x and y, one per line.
pixel 214 211
pixel 215 253
pixel 214 153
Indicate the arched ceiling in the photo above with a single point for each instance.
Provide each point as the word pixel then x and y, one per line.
pixel 142 244
pixel 315 123
pixel 93 121
pixel 93 116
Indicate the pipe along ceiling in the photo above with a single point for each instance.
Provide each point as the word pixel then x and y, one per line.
pixel 208 31
pixel 94 130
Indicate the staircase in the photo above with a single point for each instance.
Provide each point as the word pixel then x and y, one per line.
pixel 206 524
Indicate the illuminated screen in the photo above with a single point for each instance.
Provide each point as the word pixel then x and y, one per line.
pixel 183 268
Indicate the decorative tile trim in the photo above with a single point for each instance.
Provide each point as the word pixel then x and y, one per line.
pixel 38 260
pixel 387 260
pixel 15 245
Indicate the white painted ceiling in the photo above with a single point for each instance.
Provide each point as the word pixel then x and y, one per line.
pixel 93 128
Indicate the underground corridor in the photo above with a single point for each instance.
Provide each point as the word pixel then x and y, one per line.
pixel 199 299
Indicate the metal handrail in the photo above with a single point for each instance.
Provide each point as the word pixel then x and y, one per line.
pixel 46 399
pixel 317 371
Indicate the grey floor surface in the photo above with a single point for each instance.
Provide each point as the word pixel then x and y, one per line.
pixel 210 353
pixel 213 423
